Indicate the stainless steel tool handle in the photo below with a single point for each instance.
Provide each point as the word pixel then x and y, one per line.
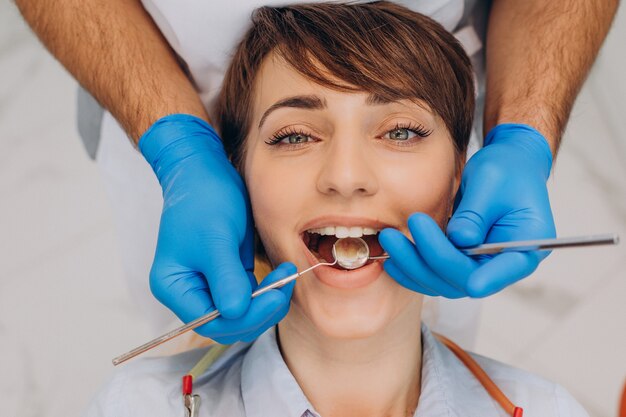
pixel 530 245
pixel 543 244
pixel 206 318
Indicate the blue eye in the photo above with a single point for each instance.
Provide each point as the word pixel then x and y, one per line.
pixel 400 134
pixel 296 138
pixel 290 137
pixel 407 134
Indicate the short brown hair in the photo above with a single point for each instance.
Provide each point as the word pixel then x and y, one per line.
pixel 381 48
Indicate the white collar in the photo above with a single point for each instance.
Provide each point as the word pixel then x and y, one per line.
pixel 267 386
pixel 448 388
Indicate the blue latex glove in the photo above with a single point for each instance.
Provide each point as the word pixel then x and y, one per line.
pixel 204 256
pixel 502 197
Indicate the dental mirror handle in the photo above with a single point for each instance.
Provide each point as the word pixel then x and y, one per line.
pixel 540 244
pixel 206 318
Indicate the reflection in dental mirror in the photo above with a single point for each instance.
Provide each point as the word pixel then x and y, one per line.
pixel 351 252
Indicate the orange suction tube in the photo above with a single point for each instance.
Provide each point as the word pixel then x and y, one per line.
pixel 482 377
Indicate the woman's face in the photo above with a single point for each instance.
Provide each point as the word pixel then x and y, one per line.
pixel 321 160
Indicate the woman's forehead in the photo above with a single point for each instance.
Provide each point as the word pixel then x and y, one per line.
pixel 278 84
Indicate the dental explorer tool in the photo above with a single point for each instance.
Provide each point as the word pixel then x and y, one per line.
pixel 208 317
pixel 344 259
pixel 543 244
pixel 520 246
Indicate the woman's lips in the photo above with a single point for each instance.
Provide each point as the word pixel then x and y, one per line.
pixel 342 278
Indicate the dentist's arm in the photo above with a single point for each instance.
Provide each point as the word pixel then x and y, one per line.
pixel 117 53
pixel 204 257
pixel 538 55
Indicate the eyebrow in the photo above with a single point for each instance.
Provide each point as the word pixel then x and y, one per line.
pixel 313 102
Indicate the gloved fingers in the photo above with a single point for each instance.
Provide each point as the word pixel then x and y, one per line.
pixel 542 254
pixel 528 224
pixel 272 321
pixel 282 271
pixel 406 257
pixel 438 252
pixel 475 213
pixel 228 280
pixel 265 311
pixel 277 316
pixel 501 271
pixel 503 192
pixel 258 318
pixel 184 292
pixel 393 271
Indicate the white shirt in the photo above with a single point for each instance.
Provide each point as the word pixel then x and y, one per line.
pixel 253 380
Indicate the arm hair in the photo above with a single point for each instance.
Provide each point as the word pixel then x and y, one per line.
pixel 117 53
pixel 538 56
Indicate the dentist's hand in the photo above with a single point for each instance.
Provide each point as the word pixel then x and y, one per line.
pixel 204 256
pixel 503 197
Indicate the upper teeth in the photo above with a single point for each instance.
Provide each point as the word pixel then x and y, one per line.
pixel 342 231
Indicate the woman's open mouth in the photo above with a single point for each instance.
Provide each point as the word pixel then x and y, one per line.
pixel 320 241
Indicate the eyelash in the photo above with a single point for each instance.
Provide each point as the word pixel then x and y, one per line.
pixel 279 136
pixel 416 128
pixel 283 133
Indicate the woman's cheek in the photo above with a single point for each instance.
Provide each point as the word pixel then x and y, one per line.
pixel 275 201
pixel 432 194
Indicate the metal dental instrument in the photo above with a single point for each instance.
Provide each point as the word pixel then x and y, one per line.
pixel 208 317
pixel 344 259
pixel 543 244
pixel 515 246
pixel 353 252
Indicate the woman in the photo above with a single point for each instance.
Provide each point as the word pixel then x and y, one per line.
pixel 343 120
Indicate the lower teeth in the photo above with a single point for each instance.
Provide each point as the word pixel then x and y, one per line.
pixel 318 256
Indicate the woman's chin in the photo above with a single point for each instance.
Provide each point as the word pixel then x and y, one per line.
pixel 353 314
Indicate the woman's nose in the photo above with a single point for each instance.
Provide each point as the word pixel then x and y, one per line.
pixel 348 169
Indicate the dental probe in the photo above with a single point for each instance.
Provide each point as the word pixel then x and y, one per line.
pixel 543 244
pixel 531 245
pixel 361 254
pixel 209 317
